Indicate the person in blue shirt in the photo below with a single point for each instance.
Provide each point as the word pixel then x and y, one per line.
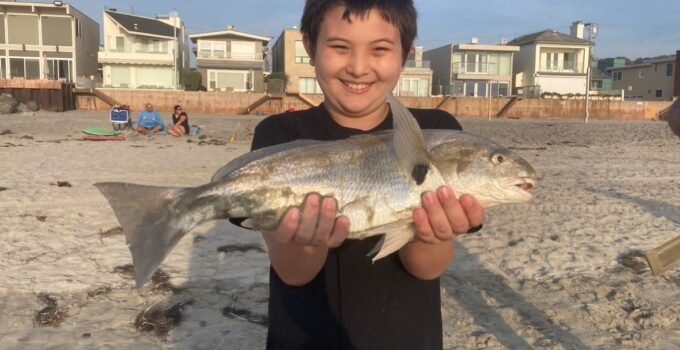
pixel 149 121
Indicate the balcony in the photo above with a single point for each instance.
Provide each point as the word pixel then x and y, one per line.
pixel 417 64
pixel 229 56
pixel 139 57
pixel 475 68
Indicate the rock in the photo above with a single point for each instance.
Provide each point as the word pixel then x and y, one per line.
pixel 8 104
pixel 33 106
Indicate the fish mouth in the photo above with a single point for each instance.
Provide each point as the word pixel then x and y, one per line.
pixel 523 186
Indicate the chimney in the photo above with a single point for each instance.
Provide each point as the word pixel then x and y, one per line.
pixel 577 29
pixel 474 40
pixel 230 27
pixel 504 41
pixel 418 55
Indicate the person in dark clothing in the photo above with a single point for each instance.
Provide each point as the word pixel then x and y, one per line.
pixel 325 293
pixel 180 122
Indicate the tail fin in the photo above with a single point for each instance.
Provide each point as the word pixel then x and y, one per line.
pixel 152 227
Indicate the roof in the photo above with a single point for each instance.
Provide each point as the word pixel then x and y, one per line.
pixel 142 25
pixel 229 31
pixel 549 36
pixel 646 63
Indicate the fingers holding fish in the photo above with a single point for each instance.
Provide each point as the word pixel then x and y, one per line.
pixel 340 232
pixel 288 227
pixel 309 219
pixel 473 210
pixel 326 221
pixel 424 232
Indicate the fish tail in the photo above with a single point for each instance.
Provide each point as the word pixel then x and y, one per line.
pixel 152 222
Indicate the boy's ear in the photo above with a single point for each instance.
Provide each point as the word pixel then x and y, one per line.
pixel 308 48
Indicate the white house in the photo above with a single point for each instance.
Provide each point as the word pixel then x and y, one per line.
pixel 142 52
pixel 550 61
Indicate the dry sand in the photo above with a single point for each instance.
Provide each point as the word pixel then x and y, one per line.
pixel 559 273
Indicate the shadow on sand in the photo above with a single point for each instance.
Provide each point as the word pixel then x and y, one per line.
pixel 468 288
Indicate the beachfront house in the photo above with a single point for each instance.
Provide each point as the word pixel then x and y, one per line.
pixel 143 52
pixel 473 69
pixel 230 60
pixel 289 57
pixel 651 80
pixel 51 41
pixel 416 79
pixel 552 62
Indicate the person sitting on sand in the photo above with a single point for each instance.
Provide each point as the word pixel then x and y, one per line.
pixel 180 121
pixel 149 121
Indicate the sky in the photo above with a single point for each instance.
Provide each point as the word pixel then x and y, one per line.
pixel 629 28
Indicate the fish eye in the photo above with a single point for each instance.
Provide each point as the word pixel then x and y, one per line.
pixel 497 158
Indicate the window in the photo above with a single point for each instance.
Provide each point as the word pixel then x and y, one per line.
pixel 411 86
pixel 229 80
pixel 617 75
pixel 24 68
pixel 212 49
pixel 669 69
pixel 59 70
pixel 79 28
pixel 499 89
pixel 558 61
pixel 243 50
pixel 309 86
pixel 568 62
pixel 551 61
pixel 641 74
pixel 659 93
pixel 300 53
pixel 120 44
pixel 476 62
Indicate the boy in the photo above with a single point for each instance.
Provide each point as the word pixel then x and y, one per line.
pixel 325 293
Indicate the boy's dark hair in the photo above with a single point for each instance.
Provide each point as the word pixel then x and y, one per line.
pixel 401 13
pixel 176 106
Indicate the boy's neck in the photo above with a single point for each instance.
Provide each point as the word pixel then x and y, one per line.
pixel 365 122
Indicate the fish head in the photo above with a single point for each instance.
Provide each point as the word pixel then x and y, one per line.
pixel 491 173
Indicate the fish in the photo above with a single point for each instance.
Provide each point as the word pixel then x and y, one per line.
pixel 376 179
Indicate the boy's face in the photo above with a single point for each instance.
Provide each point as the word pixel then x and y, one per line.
pixel 356 63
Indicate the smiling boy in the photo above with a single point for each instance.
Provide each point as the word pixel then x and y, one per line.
pixel 324 291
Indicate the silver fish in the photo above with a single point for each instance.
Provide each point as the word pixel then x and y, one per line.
pixel 376 179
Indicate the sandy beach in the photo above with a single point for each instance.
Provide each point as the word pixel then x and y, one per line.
pixel 562 272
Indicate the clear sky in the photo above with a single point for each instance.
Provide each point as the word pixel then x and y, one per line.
pixel 630 28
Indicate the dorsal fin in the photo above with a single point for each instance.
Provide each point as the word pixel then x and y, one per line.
pixel 409 143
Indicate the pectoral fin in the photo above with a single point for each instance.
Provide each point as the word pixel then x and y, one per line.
pixel 391 242
pixel 409 143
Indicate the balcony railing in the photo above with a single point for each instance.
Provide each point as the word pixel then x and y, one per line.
pixel 475 68
pixel 417 64
pixel 221 55
pixel 568 68
pixel 128 50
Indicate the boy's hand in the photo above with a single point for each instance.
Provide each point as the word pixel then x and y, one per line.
pixel 442 216
pixel 316 225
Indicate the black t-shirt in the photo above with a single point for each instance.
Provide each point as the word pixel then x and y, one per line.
pixel 185 123
pixel 352 303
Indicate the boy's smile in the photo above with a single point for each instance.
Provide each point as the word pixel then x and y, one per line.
pixel 357 60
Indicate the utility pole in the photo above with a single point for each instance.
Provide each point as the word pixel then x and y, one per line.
pixel 592 32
